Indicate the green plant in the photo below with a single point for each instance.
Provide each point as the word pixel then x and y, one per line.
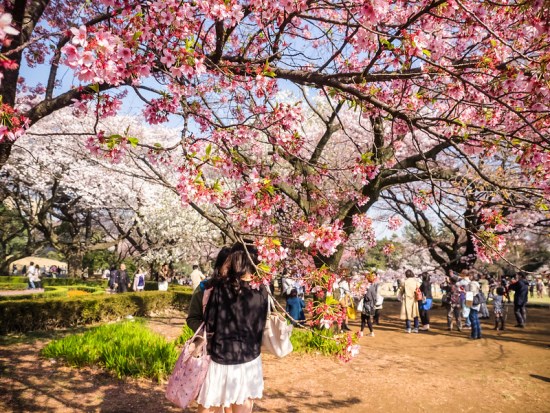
pixel 307 341
pixel 186 334
pixel 124 349
pixel 23 315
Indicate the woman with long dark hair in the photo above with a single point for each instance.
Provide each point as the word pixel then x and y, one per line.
pixel 195 316
pixel 235 318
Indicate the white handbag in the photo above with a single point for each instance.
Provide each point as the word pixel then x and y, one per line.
pixel 360 305
pixel 277 332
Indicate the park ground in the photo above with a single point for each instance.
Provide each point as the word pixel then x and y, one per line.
pixel 436 371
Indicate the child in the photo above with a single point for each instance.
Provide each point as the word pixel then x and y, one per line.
pixel 295 307
pixel 498 307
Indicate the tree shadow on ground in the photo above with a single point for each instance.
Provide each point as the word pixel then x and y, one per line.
pixel 300 401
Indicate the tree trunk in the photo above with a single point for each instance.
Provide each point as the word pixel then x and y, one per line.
pixel 74 262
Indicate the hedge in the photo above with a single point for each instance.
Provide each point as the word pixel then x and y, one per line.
pixel 49 292
pixel 13 286
pixel 69 312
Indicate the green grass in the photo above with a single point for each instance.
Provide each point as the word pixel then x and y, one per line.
pixel 186 334
pixel 124 349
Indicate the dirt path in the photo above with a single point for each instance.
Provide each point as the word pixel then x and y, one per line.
pixel 437 371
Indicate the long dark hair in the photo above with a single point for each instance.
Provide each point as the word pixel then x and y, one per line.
pixel 242 260
pixel 220 260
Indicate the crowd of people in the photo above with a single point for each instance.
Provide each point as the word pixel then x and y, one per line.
pixel 464 296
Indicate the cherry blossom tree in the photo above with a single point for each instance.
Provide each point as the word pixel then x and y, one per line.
pixel 80 203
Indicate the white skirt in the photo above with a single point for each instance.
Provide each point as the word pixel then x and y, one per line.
pixel 232 384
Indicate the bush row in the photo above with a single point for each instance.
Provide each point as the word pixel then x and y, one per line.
pixel 12 286
pixel 68 312
pixel 53 281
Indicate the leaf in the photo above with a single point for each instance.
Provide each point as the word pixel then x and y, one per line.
pixel 263 267
pixel 208 150
pixel 427 53
pixel 133 141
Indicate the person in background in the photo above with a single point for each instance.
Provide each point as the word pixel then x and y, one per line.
pixel 14 270
pixel 369 304
pixel 295 308
pixel 474 309
pixel 30 275
pixel 196 276
pixel 452 302
pixel 520 287
pixel 409 305
pixel 464 285
pixel 235 318
pixel 113 277
pixel 540 288
pixel 426 304
pixel 498 308
pixel 139 279
pixel 36 277
pixel 163 277
pixel 123 280
pixel 346 300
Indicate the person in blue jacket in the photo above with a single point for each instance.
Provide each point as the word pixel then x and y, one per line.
pixel 295 307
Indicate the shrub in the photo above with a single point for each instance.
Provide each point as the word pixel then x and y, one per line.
pixel 13 286
pixel 73 281
pixel 65 312
pixel 49 292
pixel 124 349
pixel 14 279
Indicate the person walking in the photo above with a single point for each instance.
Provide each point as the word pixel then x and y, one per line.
pixel 427 299
pixel 520 287
pixel 409 304
pixel 235 318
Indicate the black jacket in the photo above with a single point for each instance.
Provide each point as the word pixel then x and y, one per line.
pixel 521 291
pixel 235 323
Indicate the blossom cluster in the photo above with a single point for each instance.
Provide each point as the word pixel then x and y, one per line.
pixel 12 124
